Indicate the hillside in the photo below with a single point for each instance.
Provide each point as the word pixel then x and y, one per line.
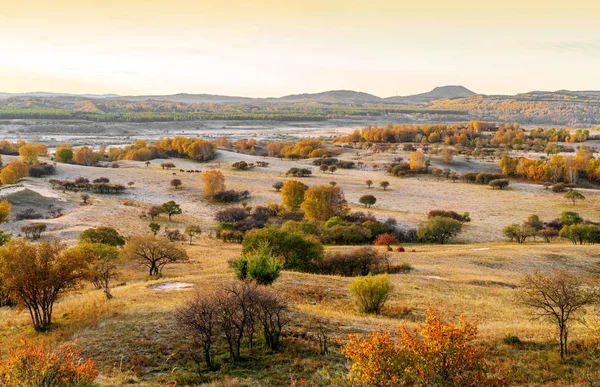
pixel 441 92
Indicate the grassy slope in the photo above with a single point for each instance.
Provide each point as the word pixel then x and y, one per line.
pixel 132 338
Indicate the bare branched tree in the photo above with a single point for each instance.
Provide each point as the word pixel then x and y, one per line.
pixel 558 298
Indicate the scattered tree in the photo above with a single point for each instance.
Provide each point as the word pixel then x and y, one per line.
pixel 170 208
pixel 102 260
pixel 323 202
pixel 154 228
pixel 104 235
pixel 5 207
pixel 192 231
pixel 573 196
pixel 367 200
pixel 278 185
pixel 34 231
pixel 36 275
pixel 384 184
pixel 292 194
pixel 369 183
pixel 176 183
pixel 558 298
pixel 153 253
pixel 214 182
pixel 440 230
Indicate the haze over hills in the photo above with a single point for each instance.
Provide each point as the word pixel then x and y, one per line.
pixel 341 97
pixel 331 96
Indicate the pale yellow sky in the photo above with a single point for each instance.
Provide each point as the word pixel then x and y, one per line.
pixel 273 48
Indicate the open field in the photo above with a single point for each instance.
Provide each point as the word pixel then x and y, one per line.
pixel 132 337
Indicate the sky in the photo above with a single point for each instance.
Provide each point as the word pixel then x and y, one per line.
pixel 266 48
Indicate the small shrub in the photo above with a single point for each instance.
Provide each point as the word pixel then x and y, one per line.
pixel 260 266
pixel 511 339
pixel 29 213
pixel 403 267
pixel 400 249
pixel 371 292
pixel 499 183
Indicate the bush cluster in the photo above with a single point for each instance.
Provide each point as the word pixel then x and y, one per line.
pixel 233 316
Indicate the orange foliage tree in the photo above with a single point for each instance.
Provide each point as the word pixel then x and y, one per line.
pixel 437 353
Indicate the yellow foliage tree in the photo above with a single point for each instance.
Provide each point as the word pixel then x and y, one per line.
pixel 214 182
pixel 7 176
pixel 29 154
pixel 84 155
pixel 292 194
pixel 4 210
pixel 19 168
pixel 417 161
pixel 324 202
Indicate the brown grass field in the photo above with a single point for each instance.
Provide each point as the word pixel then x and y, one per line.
pixel 132 337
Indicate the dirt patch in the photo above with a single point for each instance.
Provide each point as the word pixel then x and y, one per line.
pixel 166 286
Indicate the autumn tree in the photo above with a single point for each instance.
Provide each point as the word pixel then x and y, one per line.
pixel 447 155
pixel 292 195
pixel 369 183
pixel 324 202
pixel 192 231
pixel 153 253
pixel 573 196
pixel 5 207
pixel 384 184
pixel 36 275
pixel 7 176
pixel 558 298
pixel 29 154
pixel 367 200
pixel 417 161
pixel 19 168
pixel 84 156
pixel 214 182
pixel 386 240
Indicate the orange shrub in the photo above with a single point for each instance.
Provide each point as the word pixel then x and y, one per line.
pixel 39 365
pixel 437 353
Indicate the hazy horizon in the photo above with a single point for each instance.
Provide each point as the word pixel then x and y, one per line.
pixel 269 50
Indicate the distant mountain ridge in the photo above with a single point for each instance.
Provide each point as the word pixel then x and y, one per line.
pixel 343 97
